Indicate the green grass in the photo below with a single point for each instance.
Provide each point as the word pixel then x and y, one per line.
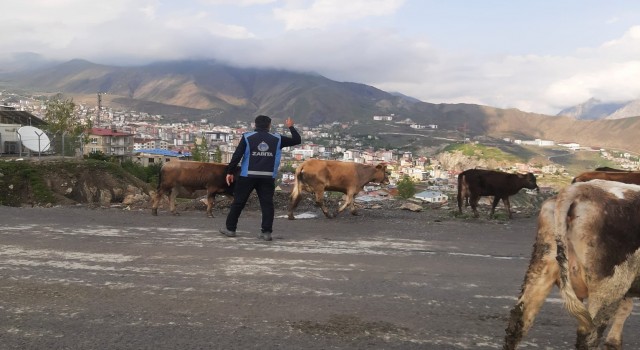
pixel 580 161
pixel 28 183
pixel 20 178
pixel 482 152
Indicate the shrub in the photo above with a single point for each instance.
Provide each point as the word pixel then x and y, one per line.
pixel 406 187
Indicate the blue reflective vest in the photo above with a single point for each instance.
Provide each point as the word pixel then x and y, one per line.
pixel 262 154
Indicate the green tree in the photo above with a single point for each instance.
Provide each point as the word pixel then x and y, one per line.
pixel 406 187
pixel 287 167
pixel 62 121
pixel 61 118
pixel 200 152
pixel 217 155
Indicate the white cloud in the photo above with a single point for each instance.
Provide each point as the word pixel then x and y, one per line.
pixel 321 38
pixel 239 2
pixel 607 73
pixel 323 13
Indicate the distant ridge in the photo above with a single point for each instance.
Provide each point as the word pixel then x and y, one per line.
pixel 594 109
pixel 223 93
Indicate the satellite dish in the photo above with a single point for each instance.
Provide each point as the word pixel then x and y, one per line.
pixel 34 139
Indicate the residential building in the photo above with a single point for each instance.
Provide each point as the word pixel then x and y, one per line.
pixel 432 196
pixel 302 154
pixel 110 142
pixel 146 157
pixel 156 143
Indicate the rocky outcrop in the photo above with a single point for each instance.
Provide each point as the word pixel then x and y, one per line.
pixel 74 182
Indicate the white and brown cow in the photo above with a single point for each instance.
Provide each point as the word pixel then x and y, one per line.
pixel 317 176
pixel 475 183
pixel 588 244
pixel 191 176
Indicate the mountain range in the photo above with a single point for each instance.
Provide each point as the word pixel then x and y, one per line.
pixel 224 93
pixel 594 109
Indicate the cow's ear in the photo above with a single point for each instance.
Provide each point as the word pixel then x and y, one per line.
pixel 380 166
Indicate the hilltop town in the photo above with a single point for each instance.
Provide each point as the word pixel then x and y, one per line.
pixel 148 139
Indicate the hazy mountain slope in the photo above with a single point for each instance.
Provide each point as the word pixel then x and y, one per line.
pixel 631 109
pixel 194 89
pixel 592 109
pixel 210 86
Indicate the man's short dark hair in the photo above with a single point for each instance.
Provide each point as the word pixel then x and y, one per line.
pixel 262 122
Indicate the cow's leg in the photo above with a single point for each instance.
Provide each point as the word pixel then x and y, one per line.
pixel 539 281
pixel 474 204
pixel 541 275
pixel 211 200
pixel 348 202
pixel 155 201
pixel 589 338
pixel 614 337
pixel 353 205
pixel 319 192
pixel 495 202
pixel 605 304
pixel 507 206
pixel 172 201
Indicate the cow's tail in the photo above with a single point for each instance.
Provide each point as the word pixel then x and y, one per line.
pixel 564 209
pixel 298 181
pixel 159 179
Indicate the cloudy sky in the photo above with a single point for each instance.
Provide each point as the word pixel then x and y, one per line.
pixel 537 56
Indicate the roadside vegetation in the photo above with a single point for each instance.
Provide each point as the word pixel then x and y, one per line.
pixel 18 178
pixel 42 182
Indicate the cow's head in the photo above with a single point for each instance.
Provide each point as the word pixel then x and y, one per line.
pixel 530 181
pixel 381 175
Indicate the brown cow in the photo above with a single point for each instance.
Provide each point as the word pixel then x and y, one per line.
pixel 191 176
pixel 588 244
pixel 629 177
pixel 316 176
pixel 606 168
pixel 475 183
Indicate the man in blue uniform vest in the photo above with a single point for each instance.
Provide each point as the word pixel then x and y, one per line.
pixel 259 151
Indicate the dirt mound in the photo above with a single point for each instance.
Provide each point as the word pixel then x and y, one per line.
pixel 68 182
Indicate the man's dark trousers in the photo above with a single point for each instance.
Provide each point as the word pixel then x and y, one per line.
pixel 265 188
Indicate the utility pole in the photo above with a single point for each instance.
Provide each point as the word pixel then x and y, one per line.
pixel 99 109
pixel 464 128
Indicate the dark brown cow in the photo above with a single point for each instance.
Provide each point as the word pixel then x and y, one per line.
pixel 316 176
pixel 606 168
pixel 191 176
pixel 475 183
pixel 588 244
pixel 629 177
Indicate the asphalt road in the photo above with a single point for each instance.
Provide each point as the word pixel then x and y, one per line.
pixel 79 278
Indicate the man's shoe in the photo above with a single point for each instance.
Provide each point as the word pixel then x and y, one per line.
pixel 228 233
pixel 266 236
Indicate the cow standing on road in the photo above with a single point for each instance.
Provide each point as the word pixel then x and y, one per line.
pixel 191 176
pixel 317 176
pixel 475 183
pixel 588 243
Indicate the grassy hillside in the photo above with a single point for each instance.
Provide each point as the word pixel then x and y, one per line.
pixel 483 152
